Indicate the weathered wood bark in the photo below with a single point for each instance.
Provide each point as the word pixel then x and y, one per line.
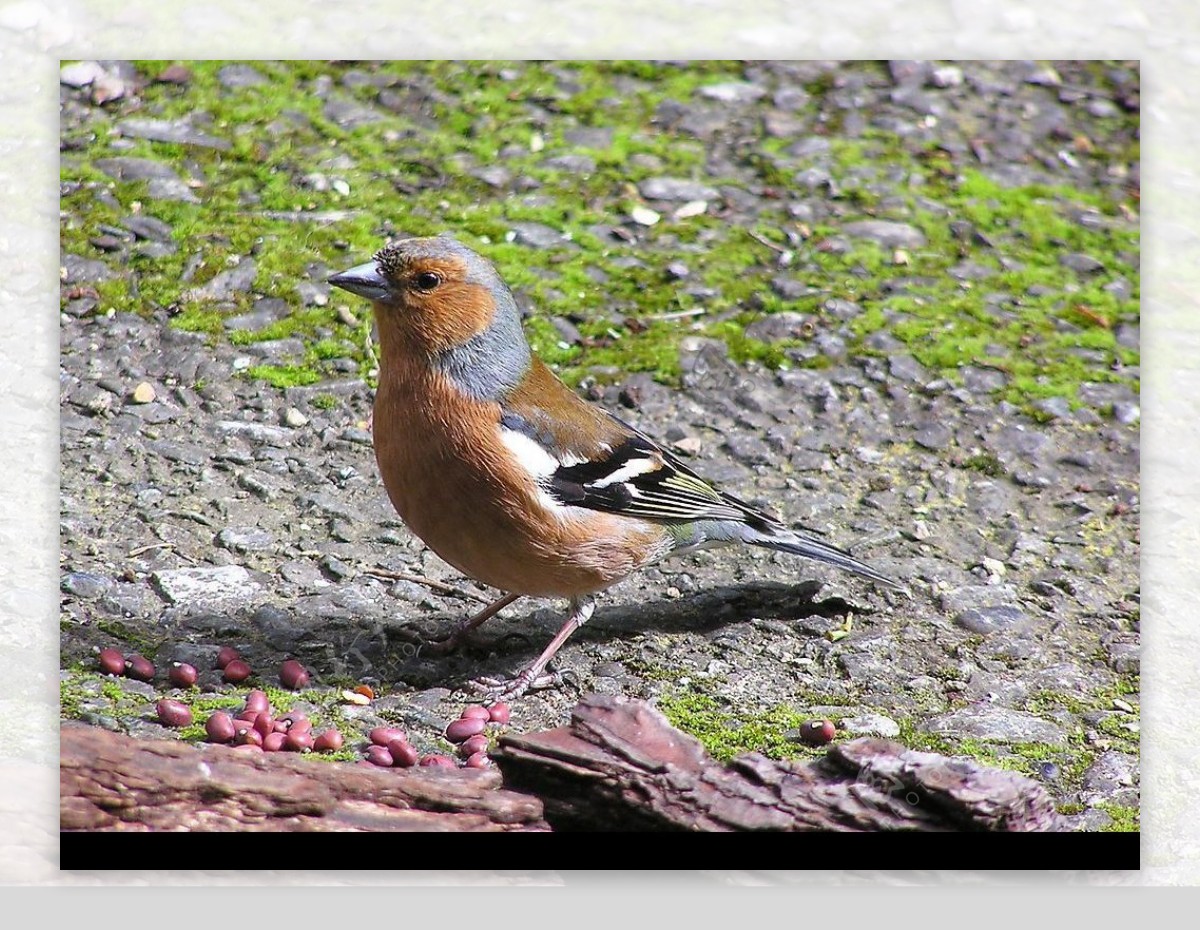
pixel 618 766
pixel 621 766
pixel 113 782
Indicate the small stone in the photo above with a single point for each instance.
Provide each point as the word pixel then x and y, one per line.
pixel 294 418
pixel 205 585
pixel 870 725
pixel 644 216
pixel 80 73
pixel 889 234
pixel 947 76
pixel 144 393
pixel 664 188
pixel 996 724
pixel 690 209
pixel 733 92
pixel 1080 263
pixel 85 585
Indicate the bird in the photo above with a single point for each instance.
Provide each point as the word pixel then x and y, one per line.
pixel 509 475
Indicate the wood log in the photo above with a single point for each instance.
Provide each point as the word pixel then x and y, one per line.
pixel 110 781
pixel 621 766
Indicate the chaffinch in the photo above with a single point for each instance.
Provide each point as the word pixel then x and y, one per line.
pixel 510 476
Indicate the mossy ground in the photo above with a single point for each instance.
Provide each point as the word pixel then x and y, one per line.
pixel 411 169
pixel 726 732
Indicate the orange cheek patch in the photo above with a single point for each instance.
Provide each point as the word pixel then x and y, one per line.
pixel 451 315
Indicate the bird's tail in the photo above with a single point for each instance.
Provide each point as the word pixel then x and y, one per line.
pixel 784 540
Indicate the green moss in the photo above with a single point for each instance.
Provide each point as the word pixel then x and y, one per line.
pixel 413 169
pixel 284 376
pixel 726 732
pixel 986 463
pixel 1124 819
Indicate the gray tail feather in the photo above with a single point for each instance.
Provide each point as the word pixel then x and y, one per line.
pixel 812 548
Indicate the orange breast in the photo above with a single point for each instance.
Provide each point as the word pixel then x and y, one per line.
pixel 459 489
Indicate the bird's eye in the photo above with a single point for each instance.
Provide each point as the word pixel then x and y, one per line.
pixel 427 280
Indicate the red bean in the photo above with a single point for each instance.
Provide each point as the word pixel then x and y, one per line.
pixel 273 742
pixel 403 755
pixel 227 655
pixel 294 721
pixel 248 735
pixel 111 662
pixel 379 755
pixel 499 713
pixel 817 732
pixel 475 710
pixel 472 745
pixel 237 671
pixel 437 761
pixel 248 715
pixel 248 747
pixel 478 760
pixel 264 723
pixel 329 741
pixel 220 727
pixel 293 675
pixel 464 727
pixel 381 736
pixel 173 713
pixel 258 700
pixel 139 667
pixel 298 740
pixel 182 675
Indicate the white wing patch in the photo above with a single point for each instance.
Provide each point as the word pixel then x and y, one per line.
pixel 630 469
pixel 529 453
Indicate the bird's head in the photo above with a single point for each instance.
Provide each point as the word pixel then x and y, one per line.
pixel 438 300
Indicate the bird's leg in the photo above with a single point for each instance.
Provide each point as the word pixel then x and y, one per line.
pixel 459 633
pixel 500 689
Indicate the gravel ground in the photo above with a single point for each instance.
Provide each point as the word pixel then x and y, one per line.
pixel 207 501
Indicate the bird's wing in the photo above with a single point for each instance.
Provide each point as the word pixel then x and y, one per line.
pixel 629 473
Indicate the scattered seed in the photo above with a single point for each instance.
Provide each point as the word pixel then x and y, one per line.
pixel 111 662
pixel 379 755
pixel 139 667
pixel 220 727
pixel 403 755
pixel 477 760
pixel 293 675
pixel 472 745
pixel 257 700
pixel 182 675
pixel 227 655
pixel 381 736
pixel 173 713
pixel 499 713
pixel 464 727
pixel 273 742
pixel 475 710
pixel 436 761
pixel 298 740
pixel 329 741
pixel 237 671
pixel 817 732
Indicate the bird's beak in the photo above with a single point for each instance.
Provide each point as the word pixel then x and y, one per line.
pixel 363 280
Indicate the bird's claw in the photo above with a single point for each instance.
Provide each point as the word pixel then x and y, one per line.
pixel 508 689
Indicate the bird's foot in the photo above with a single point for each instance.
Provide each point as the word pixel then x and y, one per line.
pixel 508 689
